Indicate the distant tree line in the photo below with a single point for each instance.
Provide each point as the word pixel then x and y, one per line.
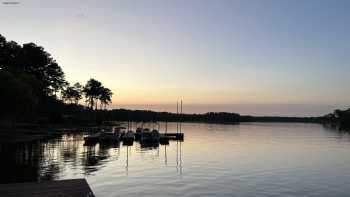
pixel 210 117
pixel 145 115
pixel 342 117
pixel 280 119
pixel 33 85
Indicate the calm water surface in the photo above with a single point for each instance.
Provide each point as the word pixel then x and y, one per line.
pixel 257 159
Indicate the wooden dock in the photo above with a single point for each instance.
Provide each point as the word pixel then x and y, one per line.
pixel 64 188
pixel 174 136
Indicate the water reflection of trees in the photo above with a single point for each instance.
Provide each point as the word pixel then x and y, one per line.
pixel 341 134
pixel 19 162
pixel 149 146
pixel 94 156
pixel 59 153
pixel 337 127
pixel 49 160
pixel 38 161
pixel 29 162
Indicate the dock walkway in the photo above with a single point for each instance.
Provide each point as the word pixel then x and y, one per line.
pixel 174 136
pixel 64 188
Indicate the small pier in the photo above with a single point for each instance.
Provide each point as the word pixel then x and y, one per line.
pixel 174 136
pixel 143 135
pixel 66 188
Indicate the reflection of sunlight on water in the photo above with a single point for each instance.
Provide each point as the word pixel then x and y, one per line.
pixel 247 159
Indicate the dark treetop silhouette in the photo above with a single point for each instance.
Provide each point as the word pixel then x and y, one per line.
pixel 31 83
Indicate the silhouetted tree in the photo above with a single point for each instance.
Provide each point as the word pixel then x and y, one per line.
pixel 92 91
pixel 17 96
pixel 30 80
pixel 39 63
pixel 33 60
pixel 78 88
pixel 341 118
pixel 9 55
pixel 105 97
pixel 72 94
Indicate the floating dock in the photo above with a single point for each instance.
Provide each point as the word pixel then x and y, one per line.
pixel 174 136
pixel 64 188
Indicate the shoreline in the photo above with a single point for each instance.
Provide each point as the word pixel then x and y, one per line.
pixel 19 135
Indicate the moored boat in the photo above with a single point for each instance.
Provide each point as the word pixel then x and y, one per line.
pixel 128 138
pixel 149 136
pixel 138 134
pixel 163 139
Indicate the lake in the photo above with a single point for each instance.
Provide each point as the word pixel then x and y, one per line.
pixel 249 159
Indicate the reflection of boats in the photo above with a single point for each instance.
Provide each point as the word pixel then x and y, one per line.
pixel 109 137
pixel 149 146
pixel 92 139
pixel 94 156
pixel 93 160
pixel 106 146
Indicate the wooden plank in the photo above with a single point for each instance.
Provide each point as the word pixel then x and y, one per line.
pixel 64 188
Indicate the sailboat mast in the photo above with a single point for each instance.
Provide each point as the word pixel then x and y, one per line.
pixel 177 116
pixel 181 117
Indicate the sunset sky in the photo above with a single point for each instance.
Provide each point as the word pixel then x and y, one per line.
pixel 213 52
